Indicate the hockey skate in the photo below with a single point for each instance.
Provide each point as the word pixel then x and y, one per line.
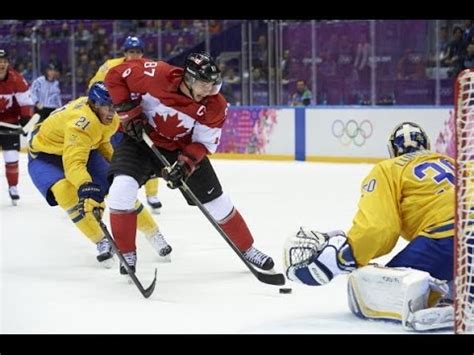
pixel 258 259
pixel 13 191
pixel 161 246
pixel 106 255
pixel 131 259
pixel 154 203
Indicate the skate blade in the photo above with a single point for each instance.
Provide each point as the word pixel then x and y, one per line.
pixel 14 202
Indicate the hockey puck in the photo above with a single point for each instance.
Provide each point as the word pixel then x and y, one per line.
pixel 285 290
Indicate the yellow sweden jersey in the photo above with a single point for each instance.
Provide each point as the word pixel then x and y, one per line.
pixel 72 131
pixel 407 196
pixel 104 68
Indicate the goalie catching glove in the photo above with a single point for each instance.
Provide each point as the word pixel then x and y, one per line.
pixel 91 198
pixel 314 258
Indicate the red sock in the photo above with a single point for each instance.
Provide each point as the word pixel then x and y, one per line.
pixel 124 229
pixel 11 170
pixel 237 230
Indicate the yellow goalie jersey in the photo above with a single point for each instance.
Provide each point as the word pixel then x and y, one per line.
pixel 104 68
pixel 72 131
pixel 410 195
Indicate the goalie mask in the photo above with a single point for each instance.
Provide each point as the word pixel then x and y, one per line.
pixel 201 67
pixel 407 137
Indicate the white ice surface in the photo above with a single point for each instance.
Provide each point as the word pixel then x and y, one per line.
pixel 51 282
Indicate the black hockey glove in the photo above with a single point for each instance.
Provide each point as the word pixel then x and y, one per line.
pixel 91 197
pixel 132 118
pixel 23 121
pixel 135 127
pixel 178 172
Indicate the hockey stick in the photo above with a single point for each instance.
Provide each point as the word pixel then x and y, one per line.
pixel 22 130
pixel 11 132
pixel 272 279
pixel 31 123
pixel 145 292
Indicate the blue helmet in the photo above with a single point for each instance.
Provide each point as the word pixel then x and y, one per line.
pixel 99 94
pixel 132 42
pixel 407 137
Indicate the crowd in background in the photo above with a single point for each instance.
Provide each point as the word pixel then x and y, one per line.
pixel 95 41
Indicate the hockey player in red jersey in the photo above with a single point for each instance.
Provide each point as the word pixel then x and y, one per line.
pixel 16 107
pixel 183 113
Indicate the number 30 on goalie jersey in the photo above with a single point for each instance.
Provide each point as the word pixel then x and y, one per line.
pixel 407 196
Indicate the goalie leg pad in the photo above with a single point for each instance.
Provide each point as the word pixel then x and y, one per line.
pixel 377 292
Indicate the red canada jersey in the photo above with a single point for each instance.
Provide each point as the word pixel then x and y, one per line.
pixel 15 98
pixel 177 119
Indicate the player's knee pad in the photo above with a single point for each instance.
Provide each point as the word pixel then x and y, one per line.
pixel 315 258
pixel 11 156
pixel 220 207
pixel 400 294
pixel 123 193
pixel 145 222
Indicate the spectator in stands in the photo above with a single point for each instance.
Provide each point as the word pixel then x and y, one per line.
pixel 361 61
pixel 441 48
pixel 468 31
pixel 469 58
pixel 167 50
pixel 285 67
pixel 410 66
pixel 302 96
pixel 230 77
pixel 214 27
pixel 150 50
pixel 179 47
pixel 258 76
pixel 456 51
pixel 82 35
pixel 46 93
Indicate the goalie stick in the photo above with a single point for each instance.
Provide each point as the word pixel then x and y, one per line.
pixel 272 279
pixel 145 292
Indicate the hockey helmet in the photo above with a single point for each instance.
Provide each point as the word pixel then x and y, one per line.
pixel 132 42
pixel 201 66
pixel 99 94
pixel 407 137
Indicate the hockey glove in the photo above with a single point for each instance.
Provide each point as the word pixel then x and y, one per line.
pixel 178 172
pixel 23 122
pixel 132 118
pixel 315 258
pixel 90 197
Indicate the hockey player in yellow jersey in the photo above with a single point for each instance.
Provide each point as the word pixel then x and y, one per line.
pixel 411 196
pixel 69 155
pixel 133 49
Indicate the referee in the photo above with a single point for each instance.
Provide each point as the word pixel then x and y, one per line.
pixel 46 93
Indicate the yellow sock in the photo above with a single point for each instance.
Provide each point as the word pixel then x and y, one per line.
pixel 66 196
pixel 145 222
pixel 151 187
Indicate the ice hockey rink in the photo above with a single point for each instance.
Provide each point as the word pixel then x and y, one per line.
pixel 52 283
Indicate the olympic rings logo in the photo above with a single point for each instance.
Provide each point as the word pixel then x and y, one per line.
pixel 352 131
